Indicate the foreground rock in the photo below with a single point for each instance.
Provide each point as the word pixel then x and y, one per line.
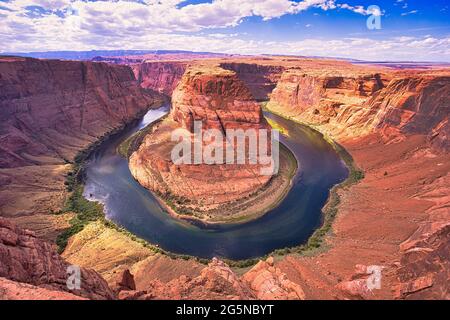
pixel 270 283
pixel 11 290
pixel 30 267
pixel 218 281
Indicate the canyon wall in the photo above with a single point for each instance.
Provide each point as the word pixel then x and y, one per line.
pixel 217 98
pixel 353 104
pixel 160 76
pixel 333 99
pixel 415 105
pixel 392 123
pixel 260 79
pixel 49 111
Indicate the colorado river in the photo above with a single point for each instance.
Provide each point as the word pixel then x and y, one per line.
pixel 128 204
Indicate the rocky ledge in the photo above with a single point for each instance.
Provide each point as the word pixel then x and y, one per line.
pixel 31 268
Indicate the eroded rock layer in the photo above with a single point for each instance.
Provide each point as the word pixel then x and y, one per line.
pixel 27 260
pixel 160 76
pixel 219 100
pixel 332 98
pixel 260 79
pixel 393 124
pixel 348 104
pixel 49 111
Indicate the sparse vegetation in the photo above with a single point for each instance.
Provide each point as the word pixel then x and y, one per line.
pixel 130 145
pixel 86 211
pixel 317 240
pixel 89 211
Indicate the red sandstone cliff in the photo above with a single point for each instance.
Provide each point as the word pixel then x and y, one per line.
pixel 260 79
pixel 391 124
pixel 417 104
pixel 397 217
pixel 349 105
pixel 32 269
pixel 218 99
pixel 49 111
pixel 325 97
pixel 160 76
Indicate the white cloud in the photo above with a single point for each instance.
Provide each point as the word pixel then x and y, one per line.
pixel 173 24
pixel 410 12
pixel 371 10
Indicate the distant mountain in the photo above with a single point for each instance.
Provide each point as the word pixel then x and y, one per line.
pixel 88 55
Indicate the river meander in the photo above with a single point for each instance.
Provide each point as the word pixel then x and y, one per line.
pixel 291 223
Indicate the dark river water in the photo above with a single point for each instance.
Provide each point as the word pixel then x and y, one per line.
pixel 129 205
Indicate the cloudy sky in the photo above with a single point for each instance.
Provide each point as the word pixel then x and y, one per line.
pixel 410 29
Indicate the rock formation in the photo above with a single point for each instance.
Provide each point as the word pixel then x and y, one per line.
pixel 424 268
pixel 415 105
pixel 329 98
pixel 219 100
pixel 160 76
pixel 353 103
pixel 260 79
pixel 219 281
pixel 50 110
pixel 11 290
pixel 270 283
pixel 48 122
pixel 25 259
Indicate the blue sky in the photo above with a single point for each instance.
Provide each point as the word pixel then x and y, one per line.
pixel 410 30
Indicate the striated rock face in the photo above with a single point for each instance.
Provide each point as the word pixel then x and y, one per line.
pixel 26 259
pixel 301 90
pixel 353 104
pixel 329 98
pixel 424 271
pixel 47 122
pixel 160 76
pixel 218 99
pixel 415 105
pixel 260 79
pixel 49 111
